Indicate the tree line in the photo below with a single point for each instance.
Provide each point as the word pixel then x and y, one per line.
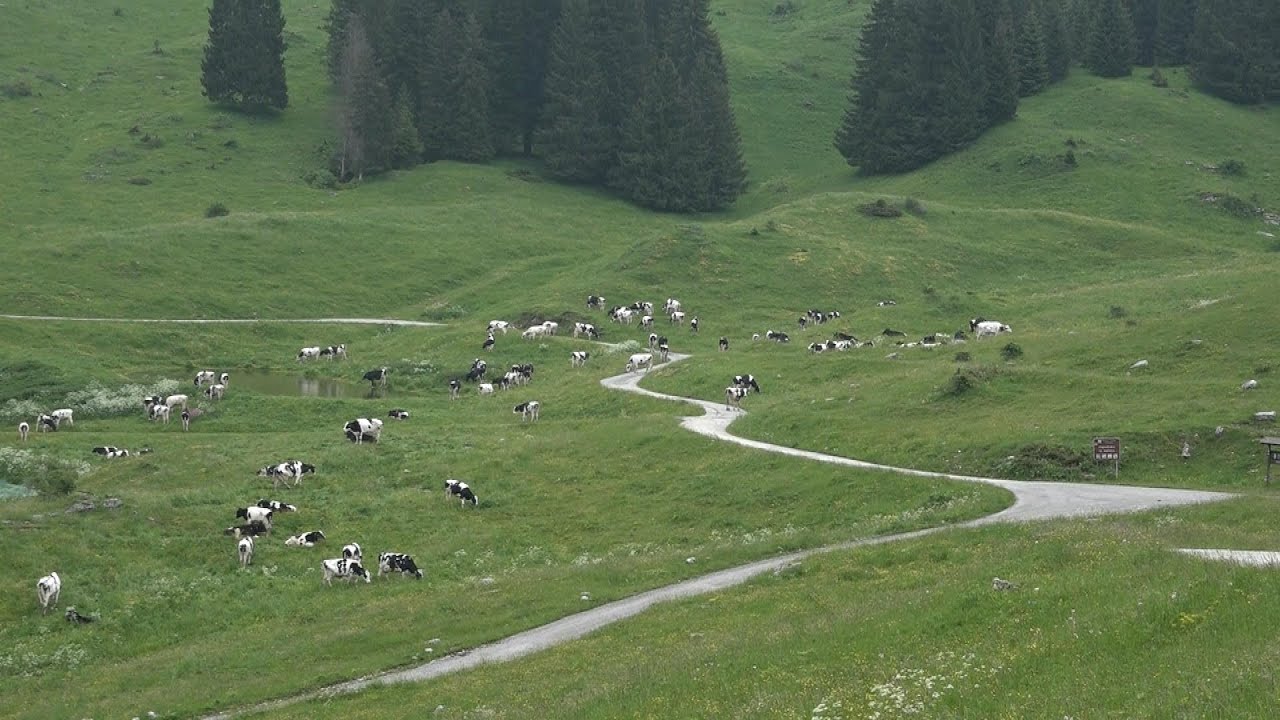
pixel 933 75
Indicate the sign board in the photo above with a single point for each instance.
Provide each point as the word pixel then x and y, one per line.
pixel 1273 453
pixel 1106 449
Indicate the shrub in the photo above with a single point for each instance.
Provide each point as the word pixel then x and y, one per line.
pixel 16 89
pixel 966 380
pixel 880 208
pixel 913 206
pixel 1231 167
pixel 1116 312
pixel 1238 207
pixel 151 142
pixel 1012 351
pixel 784 8
pixel 216 210
pixel 1044 462
pixel 1158 79
pixel 100 400
pixel 41 473
pixel 139 180
pixel 963 357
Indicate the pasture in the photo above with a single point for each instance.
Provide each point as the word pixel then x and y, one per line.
pixel 1114 260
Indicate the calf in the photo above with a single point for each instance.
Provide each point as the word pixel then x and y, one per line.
pixel 399 414
pixel 677 317
pixel 307 539
pixel 309 353
pixel 174 401
pixel 502 325
pixel 225 378
pixel 160 412
pixel 455 387
pixel 277 506
pixel 48 588
pixel 253 514
pixel 724 344
pixel 578 358
pixel 534 332
pixel 76 618
pixel 664 351
pixel 397 562
pixel 351 551
pixel 646 321
pixel 671 305
pixel 653 340
pixel 245 550
pixel 23 430
pixel 461 490
pixel 360 428
pixel 333 351
pixel 747 382
pixel 528 410
pixel 693 324
pixel 733 396
pixel 343 569
pixel 551 327
pixel 46 423
pixel 188 416
pixel 640 360
pixel 205 376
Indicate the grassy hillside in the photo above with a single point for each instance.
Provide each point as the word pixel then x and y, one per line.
pixel 115 157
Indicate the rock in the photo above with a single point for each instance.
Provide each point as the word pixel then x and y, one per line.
pixel 1139 364
pixel 1219 431
pixel 1249 385
pixel 690 560
pixel 81 506
pixel 1265 416
pixel 998 584
pixel 893 356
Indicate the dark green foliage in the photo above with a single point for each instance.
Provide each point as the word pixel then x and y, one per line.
pixel 403 43
pixel 573 138
pixel 1109 45
pixel 1044 462
pixel 406 146
pixel 1011 351
pixel 243 63
pixel 1235 49
pixel 1116 312
pixel 1238 207
pixel 16 89
pixel 216 210
pixel 1030 58
pixel 879 208
pixel 967 379
pixel 995 20
pixel 1231 167
pixel 1158 79
pixel 363 111
pixel 963 357
pixel 518 34
pixel 1175 21
pixel 53 479
pixel 1057 40
pixel 454 115
pixel 914 206
pixel 1145 16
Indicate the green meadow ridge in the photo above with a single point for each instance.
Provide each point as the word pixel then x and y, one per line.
pixel 1151 245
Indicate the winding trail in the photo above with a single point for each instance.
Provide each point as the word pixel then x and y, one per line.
pixel 1033 501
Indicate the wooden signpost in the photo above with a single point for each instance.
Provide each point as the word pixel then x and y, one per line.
pixel 1273 453
pixel 1108 449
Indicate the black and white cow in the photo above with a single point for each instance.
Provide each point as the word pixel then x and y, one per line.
pixel 399 414
pixel 111 451
pixel 24 429
pixel 461 490
pixel 205 377
pixel 343 569
pixel 778 337
pixel 332 352
pixel 46 423
pixel 48 588
pixel 247 529
pixel 215 391
pixel 578 358
pixel 640 360
pixel 253 513
pixel 502 325
pixel 528 410
pixel 309 353
pixel 286 471
pixel 746 381
pixel 360 428
pixel 586 329
pixel 245 549
pixel 455 387
pixel 76 618
pixel 307 539
pixel 377 378
pixel 595 302
pixel 352 551
pixel 488 343
pixel 733 396
pixel 477 371
pixel 724 344
pixel 389 562
pixel 693 324
pixel 277 506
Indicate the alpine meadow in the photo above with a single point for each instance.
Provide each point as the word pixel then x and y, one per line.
pixel 958 240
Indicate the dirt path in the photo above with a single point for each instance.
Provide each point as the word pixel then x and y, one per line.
pixel 1033 501
pixel 231 321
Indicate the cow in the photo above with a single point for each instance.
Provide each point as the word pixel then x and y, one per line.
pixel 693 324
pixel 360 428
pixel 76 618
pixel 778 337
pixel 528 410
pixel 253 513
pixel 988 328
pixel 46 423
pixel 733 396
pixel 502 325
pixel 307 539
pixel 377 378
pixel 724 344
pixel 277 506
pixel 677 317
pixel 595 302
pixel 256 527
pixel 578 358
pixel 215 391
pixel 344 569
pixel 48 588
pixel 309 353
pixel 485 388
pixel 24 430
pixel 245 550
pixel 455 387
pixel 399 414
pixel 640 360
pixel 205 376
pixel 746 381
pixel 488 343
pixel 389 562
pixel 461 490
pixel 586 329
pixel 534 332
pixel 352 551
pixel 62 415
pixel 333 351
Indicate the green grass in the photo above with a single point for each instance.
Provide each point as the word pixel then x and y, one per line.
pixel 606 493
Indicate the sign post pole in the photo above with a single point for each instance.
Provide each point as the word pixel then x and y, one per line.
pixel 1108 448
pixel 1273 453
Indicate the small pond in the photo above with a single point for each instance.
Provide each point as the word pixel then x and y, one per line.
pixel 269 383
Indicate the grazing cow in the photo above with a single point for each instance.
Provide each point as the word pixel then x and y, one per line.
pixel 778 337
pixel 225 379
pixel 76 618
pixel 176 400
pixel 399 414
pixel 817 347
pixel 247 529
pixel 282 472
pixel 277 506
pixel 253 513
pixel 351 551
pixel 671 305
pixel 886 303
pixel 205 376
pixel 455 387
pixel 890 332
pixel 595 302
pixel 733 397
pixel 534 332
pixel 360 428
pixel 653 340
pixel 746 381
pixel 502 325
pixel 333 351
pixel 724 344
pixel 343 569
pixel 622 315
pixel 397 562
pixel 528 410
pixel 677 317
pixel 664 351
pixel 586 329
pixel 693 324
pixel 646 321
pixel 640 360
pixel 46 423
pixel 48 588
pixel 245 550
pixel 377 378
pixel 309 353
pixel 477 371
pixel 215 391
pixel 578 358
pixel 488 343
pixel 307 539
pixel 461 490
pixel 551 327
pixel 485 388
pixel 988 328
pixel 160 412
pixel 23 430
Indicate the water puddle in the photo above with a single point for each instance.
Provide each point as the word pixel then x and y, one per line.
pixel 268 383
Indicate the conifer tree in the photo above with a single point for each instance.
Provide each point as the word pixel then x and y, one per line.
pixel 873 75
pixel 573 138
pixel 1030 57
pixel 1109 45
pixel 1145 16
pixel 518 34
pixel 364 113
pixel 1057 40
pixel 1001 100
pixel 406 146
pixel 1176 21
pixel 454 113
pixel 243 63
pixel 1235 49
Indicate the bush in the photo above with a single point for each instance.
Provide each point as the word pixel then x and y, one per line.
pixel 41 473
pixel 151 142
pixel 1231 167
pixel 216 210
pixel 16 89
pixel 1158 79
pixel 966 380
pixel 963 357
pixel 1238 207
pixel 1044 462
pixel 139 180
pixel 913 206
pixel 880 208
pixel 1012 351
pixel 1116 312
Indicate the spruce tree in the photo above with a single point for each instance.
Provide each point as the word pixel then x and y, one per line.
pixel 870 83
pixel 243 64
pixel 472 139
pixel 1057 40
pixel 363 112
pixel 1235 50
pixel 518 34
pixel 1145 16
pixel 406 146
pixel 1000 103
pixel 1109 46
pixel 572 135
pixel 1176 21
pixel 1030 56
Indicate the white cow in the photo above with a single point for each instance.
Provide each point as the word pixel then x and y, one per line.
pixel 502 325
pixel 640 360
pixel 245 549
pixel 309 353
pixel 48 588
